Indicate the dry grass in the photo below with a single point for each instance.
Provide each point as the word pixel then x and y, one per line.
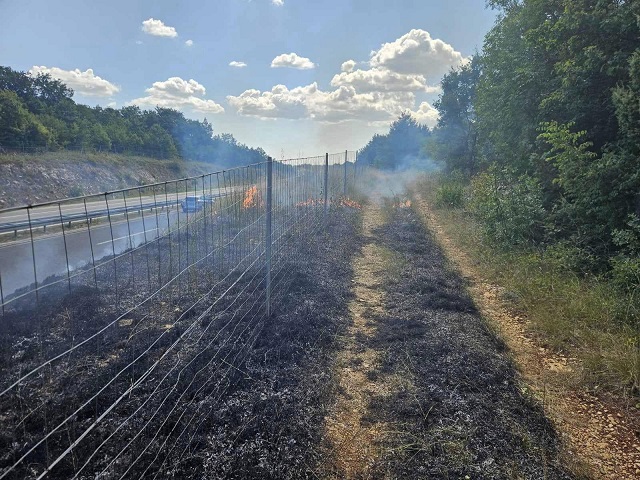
pixel 585 318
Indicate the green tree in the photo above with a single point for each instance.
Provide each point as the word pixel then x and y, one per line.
pixel 19 127
pixel 455 139
pixel 400 148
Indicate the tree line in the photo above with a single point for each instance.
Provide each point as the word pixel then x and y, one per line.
pixel 545 123
pixel 38 112
pixel 401 148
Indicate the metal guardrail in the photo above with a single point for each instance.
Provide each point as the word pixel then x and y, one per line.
pixel 78 217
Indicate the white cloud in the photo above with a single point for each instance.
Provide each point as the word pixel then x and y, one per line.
pixel 178 93
pixel 348 66
pixel 399 71
pixel 189 43
pixel 139 42
pixel 339 105
pixel 426 114
pixel 380 80
pixel 237 64
pixel 158 28
pixel 417 53
pixel 280 102
pixel 85 83
pixel 292 60
pixel 277 3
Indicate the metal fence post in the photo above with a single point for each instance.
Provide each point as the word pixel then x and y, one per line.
pixel 268 234
pixel 326 184
pixel 355 168
pixel 346 153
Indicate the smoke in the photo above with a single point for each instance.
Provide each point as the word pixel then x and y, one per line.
pixel 378 184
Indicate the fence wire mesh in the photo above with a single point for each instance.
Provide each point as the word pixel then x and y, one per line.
pixel 138 304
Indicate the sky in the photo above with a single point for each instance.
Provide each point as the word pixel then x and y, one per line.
pixel 295 77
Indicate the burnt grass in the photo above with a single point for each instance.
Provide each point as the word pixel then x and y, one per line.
pixel 465 414
pixel 242 396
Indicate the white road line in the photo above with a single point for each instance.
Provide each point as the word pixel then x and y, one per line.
pixel 127 236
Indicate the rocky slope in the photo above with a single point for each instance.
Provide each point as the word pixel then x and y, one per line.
pixel 26 179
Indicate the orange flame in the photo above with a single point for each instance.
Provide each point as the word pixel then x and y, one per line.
pixel 347 202
pixel 251 197
pixel 405 204
pixel 310 203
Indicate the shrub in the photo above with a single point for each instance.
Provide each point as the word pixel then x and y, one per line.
pixel 509 208
pixel 450 195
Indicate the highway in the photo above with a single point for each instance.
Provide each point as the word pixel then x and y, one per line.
pixel 55 213
pixel 133 223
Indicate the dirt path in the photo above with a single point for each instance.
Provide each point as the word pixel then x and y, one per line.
pixel 353 441
pixel 424 389
pixel 598 438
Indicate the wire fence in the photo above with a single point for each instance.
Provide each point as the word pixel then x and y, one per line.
pixel 125 313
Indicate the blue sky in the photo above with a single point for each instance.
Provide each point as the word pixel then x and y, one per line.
pixel 309 77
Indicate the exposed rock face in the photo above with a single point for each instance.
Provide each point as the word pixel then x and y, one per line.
pixel 31 179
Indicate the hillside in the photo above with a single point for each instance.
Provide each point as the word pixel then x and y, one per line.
pixel 41 177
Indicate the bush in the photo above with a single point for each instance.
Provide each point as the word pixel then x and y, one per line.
pixel 450 195
pixel 509 208
pixel 625 272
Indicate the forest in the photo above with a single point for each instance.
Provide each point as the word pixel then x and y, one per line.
pixel 539 133
pixel 38 113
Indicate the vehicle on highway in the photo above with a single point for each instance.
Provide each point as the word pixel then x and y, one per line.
pixel 192 203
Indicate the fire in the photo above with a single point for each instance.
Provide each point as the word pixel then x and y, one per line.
pixel 347 202
pixel 310 203
pixel 405 204
pixel 252 198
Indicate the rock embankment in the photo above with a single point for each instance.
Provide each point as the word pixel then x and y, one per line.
pixel 26 179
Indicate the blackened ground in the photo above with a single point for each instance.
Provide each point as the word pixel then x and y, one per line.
pixel 270 426
pixel 465 415
pixel 242 396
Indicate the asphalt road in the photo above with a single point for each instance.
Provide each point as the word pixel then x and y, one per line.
pixel 23 262
pixel 82 245
pixel 54 213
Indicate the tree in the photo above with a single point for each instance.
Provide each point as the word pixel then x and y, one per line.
pixel 40 110
pixel 454 140
pixel 19 127
pixel 400 148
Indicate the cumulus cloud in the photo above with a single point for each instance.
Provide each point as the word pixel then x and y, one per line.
pixel 237 64
pixel 426 114
pixel 380 80
pixel 419 54
pixel 348 66
pixel 189 43
pixel 399 71
pixel 85 83
pixel 309 101
pixel 158 28
pixel 179 94
pixel 280 102
pixel 292 60
pixel 277 3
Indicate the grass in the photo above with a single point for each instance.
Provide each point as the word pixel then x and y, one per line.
pixel 584 317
